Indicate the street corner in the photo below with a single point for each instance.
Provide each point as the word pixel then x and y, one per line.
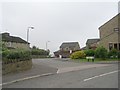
pixel 35 72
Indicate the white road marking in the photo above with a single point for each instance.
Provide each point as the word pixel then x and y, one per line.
pixel 101 75
pixel 22 79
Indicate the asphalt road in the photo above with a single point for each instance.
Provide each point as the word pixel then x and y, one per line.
pixel 99 77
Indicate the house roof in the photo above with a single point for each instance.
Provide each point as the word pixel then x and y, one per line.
pixel 91 41
pixel 69 44
pixel 83 48
pixel 109 20
pixel 7 38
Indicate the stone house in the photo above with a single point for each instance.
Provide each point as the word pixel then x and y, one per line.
pixel 67 48
pixel 110 34
pixel 13 42
pixel 92 43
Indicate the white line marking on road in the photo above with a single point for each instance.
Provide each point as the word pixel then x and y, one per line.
pixel 100 75
pixel 22 79
pixel 58 71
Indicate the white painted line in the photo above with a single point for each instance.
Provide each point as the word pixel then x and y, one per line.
pixel 58 71
pixel 100 75
pixel 22 79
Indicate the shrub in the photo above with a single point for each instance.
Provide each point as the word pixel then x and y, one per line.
pixel 77 55
pixel 113 53
pixel 101 52
pixel 119 54
pixel 89 52
pixel 5 53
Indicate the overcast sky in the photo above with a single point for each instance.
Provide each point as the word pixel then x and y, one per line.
pixel 56 22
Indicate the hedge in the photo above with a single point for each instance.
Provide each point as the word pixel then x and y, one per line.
pixel 39 52
pixel 9 56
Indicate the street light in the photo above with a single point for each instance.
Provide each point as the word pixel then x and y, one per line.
pixel 28 32
pixel 47 45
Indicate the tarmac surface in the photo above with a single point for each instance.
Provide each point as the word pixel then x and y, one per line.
pixel 43 67
pixel 90 77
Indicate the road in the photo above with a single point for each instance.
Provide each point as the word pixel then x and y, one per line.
pixel 100 76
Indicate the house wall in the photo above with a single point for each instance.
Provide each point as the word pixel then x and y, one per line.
pixel 92 46
pixel 17 45
pixel 107 33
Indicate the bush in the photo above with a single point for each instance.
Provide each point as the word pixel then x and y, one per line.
pixel 119 54
pixel 101 52
pixel 89 52
pixel 77 55
pixel 113 53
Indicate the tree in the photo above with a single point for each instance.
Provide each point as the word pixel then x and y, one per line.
pixel 34 47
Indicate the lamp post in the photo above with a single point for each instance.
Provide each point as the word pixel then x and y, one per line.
pixel 47 45
pixel 28 32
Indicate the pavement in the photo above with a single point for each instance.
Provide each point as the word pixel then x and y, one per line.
pixel 36 70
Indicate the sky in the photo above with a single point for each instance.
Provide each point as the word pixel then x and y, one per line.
pixel 56 21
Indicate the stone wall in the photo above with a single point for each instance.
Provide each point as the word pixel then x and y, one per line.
pixel 107 33
pixel 16 67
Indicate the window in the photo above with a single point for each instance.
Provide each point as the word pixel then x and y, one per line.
pixel 110 46
pixel 9 44
pixel 115 46
pixel 67 48
pixel 116 29
pixel 119 46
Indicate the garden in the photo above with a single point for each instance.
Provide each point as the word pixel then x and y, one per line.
pixel 99 54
